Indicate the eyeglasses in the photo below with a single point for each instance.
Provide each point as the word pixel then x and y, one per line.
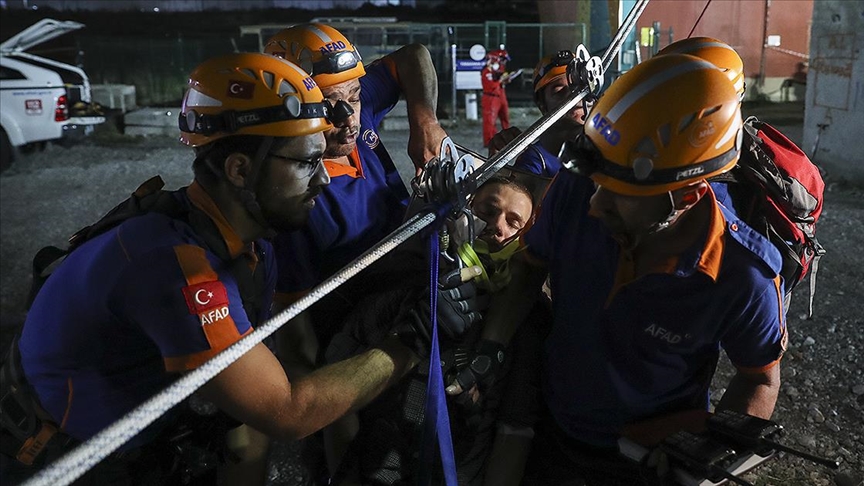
pixel 307 167
pixel 336 62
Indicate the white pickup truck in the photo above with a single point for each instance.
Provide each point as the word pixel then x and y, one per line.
pixel 41 100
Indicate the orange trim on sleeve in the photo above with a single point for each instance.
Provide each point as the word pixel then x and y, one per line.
pixel 784 337
pixel 189 362
pixel 69 397
pixel 217 324
pixel 761 369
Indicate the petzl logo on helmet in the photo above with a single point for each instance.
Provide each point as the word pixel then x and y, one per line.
pixel 240 89
pixel 370 138
pixel 248 118
pixel 202 297
pixel 689 173
pixel 332 47
pixel 604 127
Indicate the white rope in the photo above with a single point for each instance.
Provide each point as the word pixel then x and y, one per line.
pixel 790 52
pixel 81 459
pixel 78 461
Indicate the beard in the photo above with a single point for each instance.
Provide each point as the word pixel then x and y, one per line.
pixel 341 142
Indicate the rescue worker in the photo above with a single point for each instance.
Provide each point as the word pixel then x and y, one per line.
pixel 164 291
pixel 551 90
pixel 665 276
pixel 366 199
pixel 493 78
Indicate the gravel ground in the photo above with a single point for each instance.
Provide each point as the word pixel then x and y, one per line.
pixel 46 196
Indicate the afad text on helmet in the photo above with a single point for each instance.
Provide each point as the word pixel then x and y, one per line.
pixel 332 46
pixel 309 83
pixel 604 126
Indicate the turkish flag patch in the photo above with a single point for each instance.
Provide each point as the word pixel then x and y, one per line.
pixel 240 89
pixel 205 296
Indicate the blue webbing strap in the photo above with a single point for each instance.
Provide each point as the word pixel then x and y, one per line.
pixel 437 421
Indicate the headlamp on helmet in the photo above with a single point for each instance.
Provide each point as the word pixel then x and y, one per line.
pixel 336 62
pixel 319 49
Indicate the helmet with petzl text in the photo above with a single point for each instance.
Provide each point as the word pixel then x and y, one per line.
pixel 250 94
pixel 667 123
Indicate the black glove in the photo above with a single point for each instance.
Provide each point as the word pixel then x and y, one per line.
pixel 482 367
pixel 459 308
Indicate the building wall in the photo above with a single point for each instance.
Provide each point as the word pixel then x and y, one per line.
pixel 834 106
pixel 740 23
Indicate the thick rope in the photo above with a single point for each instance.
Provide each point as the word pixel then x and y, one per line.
pixel 74 464
pixel 81 459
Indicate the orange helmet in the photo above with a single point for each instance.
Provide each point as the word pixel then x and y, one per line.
pixel 319 49
pixel 250 94
pixel 551 67
pixel 714 51
pixel 670 121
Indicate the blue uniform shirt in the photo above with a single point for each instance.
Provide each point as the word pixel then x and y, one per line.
pixel 362 204
pixel 130 308
pixel 537 160
pixel 623 350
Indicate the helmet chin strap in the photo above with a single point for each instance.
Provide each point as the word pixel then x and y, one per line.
pixel 632 242
pixel 247 192
pixel 670 219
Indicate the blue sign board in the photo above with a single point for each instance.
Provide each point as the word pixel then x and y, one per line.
pixel 469 65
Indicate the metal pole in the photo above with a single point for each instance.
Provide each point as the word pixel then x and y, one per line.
pixel 623 32
pixel 764 46
pixel 72 465
pixel 453 84
pixel 526 138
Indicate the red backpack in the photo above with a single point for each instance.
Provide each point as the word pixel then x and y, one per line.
pixel 779 193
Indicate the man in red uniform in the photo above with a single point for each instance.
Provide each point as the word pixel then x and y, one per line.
pixel 494 77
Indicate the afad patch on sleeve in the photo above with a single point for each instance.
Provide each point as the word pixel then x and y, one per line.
pixel 207 300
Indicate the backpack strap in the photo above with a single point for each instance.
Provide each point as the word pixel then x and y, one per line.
pixel 814 267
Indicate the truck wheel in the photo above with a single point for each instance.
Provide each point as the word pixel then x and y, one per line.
pixel 7 151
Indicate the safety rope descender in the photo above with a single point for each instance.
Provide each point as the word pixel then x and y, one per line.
pixel 444 181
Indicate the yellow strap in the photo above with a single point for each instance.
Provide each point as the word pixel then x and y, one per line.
pixel 33 446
